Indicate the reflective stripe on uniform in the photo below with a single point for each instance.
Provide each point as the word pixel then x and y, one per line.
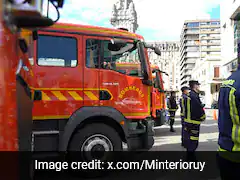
pixel 192 121
pixel 194 138
pixel 183 108
pixel 231 156
pixel 188 119
pixel 172 109
pixel 235 120
pixel 221 149
pixel 203 117
pixel 188 109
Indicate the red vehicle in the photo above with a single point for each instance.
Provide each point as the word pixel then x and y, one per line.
pixel 83 102
pixel 158 106
pixel 16 104
pixel 15 101
pixel 158 97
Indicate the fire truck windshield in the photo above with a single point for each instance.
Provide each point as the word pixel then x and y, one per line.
pixel 126 54
pixel 114 56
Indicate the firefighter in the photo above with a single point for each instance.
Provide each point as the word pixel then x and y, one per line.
pixel 172 108
pixel 194 115
pixel 185 93
pixel 229 127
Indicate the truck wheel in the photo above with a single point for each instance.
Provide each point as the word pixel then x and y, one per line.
pixel 95 138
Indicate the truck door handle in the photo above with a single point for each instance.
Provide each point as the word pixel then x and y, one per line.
pixel 104 95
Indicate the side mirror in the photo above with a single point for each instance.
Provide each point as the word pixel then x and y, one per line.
pixel 157 51
pixel 147 45
pixel 116 44
pixel 154 71
pixel 118 41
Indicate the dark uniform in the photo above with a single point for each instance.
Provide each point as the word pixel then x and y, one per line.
pixel 182 106
pixel 229 127
pixel 194 115
pixel 172 108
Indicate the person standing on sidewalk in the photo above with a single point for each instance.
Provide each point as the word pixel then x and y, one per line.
pixel 172 108
pixel 185 93
pixel 194 115
pixel 228 156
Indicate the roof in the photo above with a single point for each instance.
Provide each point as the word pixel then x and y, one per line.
pixel 93 30
pixel 201 20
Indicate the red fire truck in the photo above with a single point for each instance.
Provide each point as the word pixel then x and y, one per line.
pixel 15 101
pixel 16 104
pixel 81 102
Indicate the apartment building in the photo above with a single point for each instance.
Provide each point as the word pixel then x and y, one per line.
pixel 230 36
pixel 200 57
pixel 167 62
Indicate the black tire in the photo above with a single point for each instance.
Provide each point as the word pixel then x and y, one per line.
pixel 83 134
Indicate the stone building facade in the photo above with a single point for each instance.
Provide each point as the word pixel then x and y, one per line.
pixel 124 15
pixel 167 62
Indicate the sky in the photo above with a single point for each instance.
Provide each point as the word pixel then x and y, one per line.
pixel 160 20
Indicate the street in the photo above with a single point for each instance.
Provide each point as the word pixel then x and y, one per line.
pixel 166 141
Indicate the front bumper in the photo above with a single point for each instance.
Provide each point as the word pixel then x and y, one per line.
pixel 141 136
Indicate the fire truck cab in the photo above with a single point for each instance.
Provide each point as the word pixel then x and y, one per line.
pixel 158 104
pixel 82 102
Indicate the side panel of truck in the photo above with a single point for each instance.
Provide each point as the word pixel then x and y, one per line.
pixel 63 84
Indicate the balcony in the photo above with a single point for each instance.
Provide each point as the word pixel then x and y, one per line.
pixel 211 38
pixel 192 44
pixel 210 32
pixel 211 50
pixel 188 66
pixel 210 26
pixel 190 49
pixel 187 61
pixel 191 32
pixel 192 38
pixel 185 77
pixel 211 44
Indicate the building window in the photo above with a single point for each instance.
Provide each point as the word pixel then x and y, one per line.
pixel 236 34
pixel 215 23
pixel 196 24
pixel 113 60
pixel 57 51
pixel 203 23
pixel 216 72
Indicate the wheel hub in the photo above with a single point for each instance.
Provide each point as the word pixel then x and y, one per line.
pixel 95 146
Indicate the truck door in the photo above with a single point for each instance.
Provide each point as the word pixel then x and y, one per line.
pixel 91 59
pixel 58 75
pixel 118 89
